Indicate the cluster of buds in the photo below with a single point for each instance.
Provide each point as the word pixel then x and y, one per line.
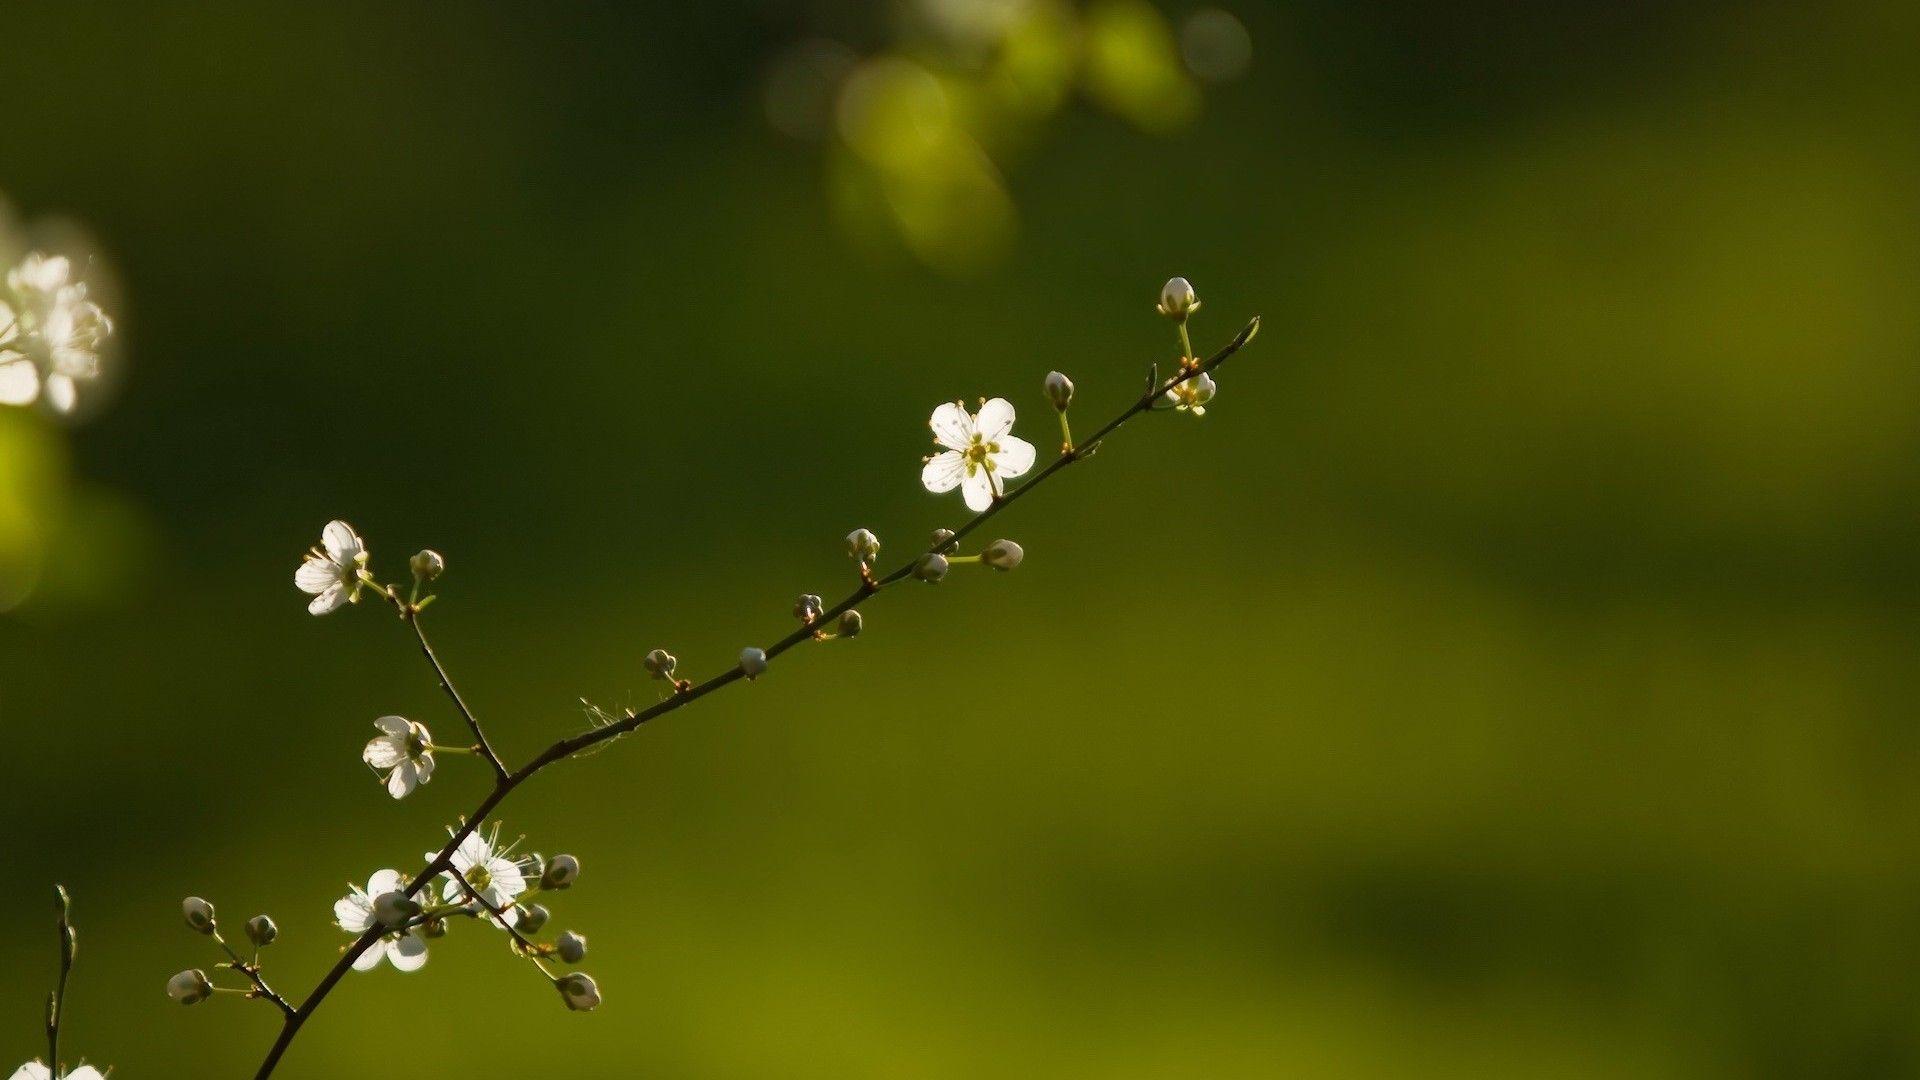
pixel 51 334
pixel 192 986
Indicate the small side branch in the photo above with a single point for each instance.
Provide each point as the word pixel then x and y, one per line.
pixel 411 613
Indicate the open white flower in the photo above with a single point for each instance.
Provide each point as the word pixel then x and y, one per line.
pixel 486 866
pixel 354 914
pixel 1192 395
pixel 331 572
pixel 71 334
pixel 404 751
pixel 33 1070
pixel 50 334
pixel 19 377
pixel 980 454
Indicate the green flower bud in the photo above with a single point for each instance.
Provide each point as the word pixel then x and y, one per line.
pixel 941 537
pixel 427 565
pixel 862 545
pixel 660 663
pixel 561 873
pixel 190 987
pixel 850 623
pixel 199 915
pixel 808 607
pixel 533 917
pixel 1002 555
pixel 571 947
pixel 1059 390
pixel 931 568
pixel 578 991
pixel 1177 300
pixel 753 662
pixel 261 931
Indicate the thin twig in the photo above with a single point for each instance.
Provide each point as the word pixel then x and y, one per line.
pixel 505 782
pixel 57 1001
pixel 411 613
pixel 252 971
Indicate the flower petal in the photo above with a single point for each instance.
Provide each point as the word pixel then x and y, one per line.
pixel 370 959
pixel 384 752
pixel 995 419
pixel 978 489
pixel 952 427
pixel 342 544
pixel 86 1072
pixel 316 576
pixel 424 766
pixel 383 882
pixel 1014 457
pixel 19 385
pixel 409 953
pixel 402 780
pixel 353 913
pixel 32 1070
pixel 943 473
pixel 328 601
pixel 397 726
pixel 62 393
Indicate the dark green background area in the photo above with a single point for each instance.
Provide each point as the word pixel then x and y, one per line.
pixel 1509 676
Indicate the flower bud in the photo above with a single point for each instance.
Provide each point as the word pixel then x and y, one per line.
pixel 862 545
pixel 190 987
pixel 1059 390
pixel 941 537
pixel 571 947
pixel 660 663
pixel 578 991
pixel 432 928
pixel 261 931
pixel 533 917
pixel 808 607
pixel 561 873
pixel 198 913
pixel 1177 300
pixel 753 662
pixel 850 623
pixel 427 565
pixel 931 568
pixel 1002 555
pixel 393 909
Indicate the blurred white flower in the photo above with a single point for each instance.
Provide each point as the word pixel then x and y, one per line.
pixel 33 1070
pixel 354 914
pixel 331 572
pixel 50 334
pixel 486 866
pixel 980 454
pixel 404 751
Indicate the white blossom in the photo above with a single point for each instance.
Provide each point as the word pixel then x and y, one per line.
pixel 980 453
pixel 1192 395
pixel 33 1070
pixel 492 873
pixel 404 751
pixel 331 572
pixel 354 914
pixel 51 334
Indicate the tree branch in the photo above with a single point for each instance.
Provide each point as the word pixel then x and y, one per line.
pixel 506 782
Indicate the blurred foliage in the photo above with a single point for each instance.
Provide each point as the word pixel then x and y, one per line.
pixel 1508 677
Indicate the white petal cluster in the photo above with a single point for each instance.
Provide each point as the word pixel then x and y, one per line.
pixel 354 913
pixel 980 454
pixel 51 335
pixel 1192 395
pixel 403 751
pixel 33 1070
pixel 493 873
pixel 331 572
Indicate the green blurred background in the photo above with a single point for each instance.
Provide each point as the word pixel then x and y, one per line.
pixel 1510 676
